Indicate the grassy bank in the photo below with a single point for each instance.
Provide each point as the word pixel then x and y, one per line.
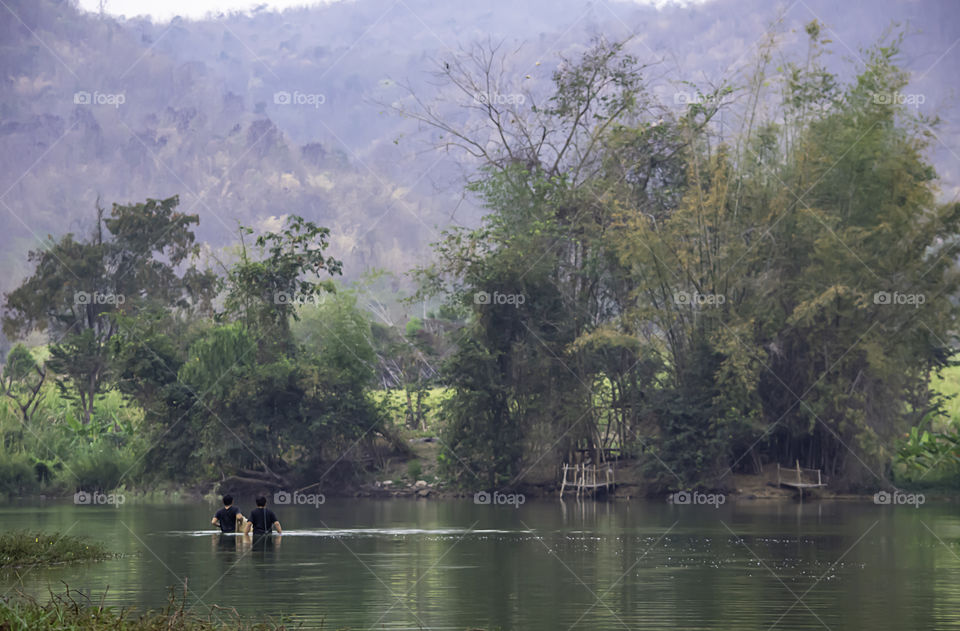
pixel 23 549
pixel 72 611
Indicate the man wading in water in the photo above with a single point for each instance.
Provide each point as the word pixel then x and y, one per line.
pixel 262 520
pixel 227 516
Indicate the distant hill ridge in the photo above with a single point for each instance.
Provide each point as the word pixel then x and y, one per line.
pixel 252 116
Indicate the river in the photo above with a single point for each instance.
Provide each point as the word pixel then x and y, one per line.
pixel 545 565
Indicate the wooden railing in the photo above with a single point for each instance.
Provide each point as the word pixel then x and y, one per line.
pixel 794 477
pixel 587 478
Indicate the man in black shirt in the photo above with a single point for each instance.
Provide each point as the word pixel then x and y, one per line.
pixel 262 520
pixel 227 516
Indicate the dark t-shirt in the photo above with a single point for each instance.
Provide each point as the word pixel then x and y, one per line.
pixel 228 518
pixel 263 520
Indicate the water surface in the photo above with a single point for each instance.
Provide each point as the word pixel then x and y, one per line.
pixel 415 564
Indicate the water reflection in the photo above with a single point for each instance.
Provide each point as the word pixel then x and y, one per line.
pixel 224 543
pixel 263 543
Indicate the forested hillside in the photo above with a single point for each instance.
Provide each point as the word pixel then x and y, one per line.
pixel 203 112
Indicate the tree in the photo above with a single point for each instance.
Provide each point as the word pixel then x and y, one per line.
pixel 78 289
pixel 22 380
pixel 264 293
pixel 278 388
pixel 714 300
pixel 767 285
pixel 544 247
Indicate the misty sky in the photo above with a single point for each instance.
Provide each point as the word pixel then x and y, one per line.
pixel 200 8
pixel 187 8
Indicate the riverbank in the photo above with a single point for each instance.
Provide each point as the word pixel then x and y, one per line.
pixel 416 475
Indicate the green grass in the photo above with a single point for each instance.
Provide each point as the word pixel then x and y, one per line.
pixel 22 549
pixel 72 611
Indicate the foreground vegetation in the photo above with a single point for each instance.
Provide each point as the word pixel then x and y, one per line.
pixel 23 549
pixel 72 611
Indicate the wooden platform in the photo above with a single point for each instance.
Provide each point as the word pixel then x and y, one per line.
pixel 588 479
pixel 800 479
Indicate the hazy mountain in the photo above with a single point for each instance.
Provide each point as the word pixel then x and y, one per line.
pixel 248 116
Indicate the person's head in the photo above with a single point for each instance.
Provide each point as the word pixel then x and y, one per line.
pixel 261 501
pixel 227 500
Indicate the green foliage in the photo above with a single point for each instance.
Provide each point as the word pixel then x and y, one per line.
pixel 101 467
pixel 482 441
pixel 539 275
pixel 721 303
pixel 20 365
pixel 214 358
pixel 21 549
pixel 337 334
pixel 929 457
pixel 408 363
pixel 55 452
pixel 414 326
pixel 255 395
pixel 79 289
pixel 396 403
pixel 22 381
pixel 264 293
pixel 17 476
